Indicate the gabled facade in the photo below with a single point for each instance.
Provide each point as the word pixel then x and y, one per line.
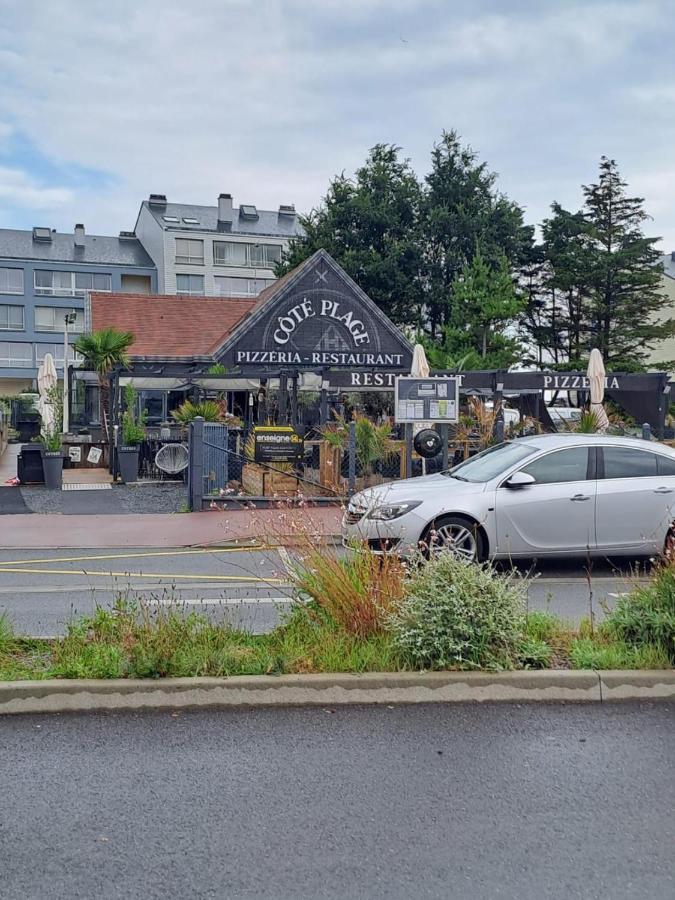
pixel 45 275
pixel 214 251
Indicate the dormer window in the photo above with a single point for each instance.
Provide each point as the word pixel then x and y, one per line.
pixel 247 211
pixel 42 234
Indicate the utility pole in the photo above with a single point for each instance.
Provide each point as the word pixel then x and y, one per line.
pixel 69 319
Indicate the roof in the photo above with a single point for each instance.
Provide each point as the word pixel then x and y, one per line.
pixel 98 249
pixel 269 222
pixel 166 325
pixel 669 264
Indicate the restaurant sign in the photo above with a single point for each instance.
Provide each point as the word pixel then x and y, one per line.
pixel 318 319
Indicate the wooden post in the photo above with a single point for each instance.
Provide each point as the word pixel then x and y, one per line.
pixel 352 457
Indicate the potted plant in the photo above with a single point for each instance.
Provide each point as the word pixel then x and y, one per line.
pixel 52 459
pixel 133 433
pixel 50 438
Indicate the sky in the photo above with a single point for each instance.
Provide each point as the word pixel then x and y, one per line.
pixel 106 101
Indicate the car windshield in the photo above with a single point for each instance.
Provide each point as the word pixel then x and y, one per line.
pixel 491 462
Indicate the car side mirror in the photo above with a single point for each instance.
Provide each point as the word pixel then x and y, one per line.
pixel 519 480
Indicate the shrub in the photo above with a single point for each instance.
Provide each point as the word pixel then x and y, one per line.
pixel 646 616
pixel 460 616
pixel 357 591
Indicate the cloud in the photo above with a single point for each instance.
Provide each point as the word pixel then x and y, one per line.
pixel 20 189
pixel 268 101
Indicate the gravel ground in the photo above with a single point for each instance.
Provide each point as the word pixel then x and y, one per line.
pixel 166 497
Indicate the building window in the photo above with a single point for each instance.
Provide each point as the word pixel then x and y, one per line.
pixel 11 318
pixel 70 284
pixel 11 281
pixel 52 318
pixel 230 286
pixel 56 351
pixel 190 251
pixel 14 355
pixel 231 253
pixel 192 285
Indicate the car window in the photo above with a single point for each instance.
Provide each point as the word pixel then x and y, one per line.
pixel 491 462
pixel 570 464
pixel 627 462
pixel 665 464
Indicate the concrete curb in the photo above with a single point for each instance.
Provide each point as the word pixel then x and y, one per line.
pixel 56 696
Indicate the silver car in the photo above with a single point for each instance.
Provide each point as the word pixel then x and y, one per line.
pixel 545 495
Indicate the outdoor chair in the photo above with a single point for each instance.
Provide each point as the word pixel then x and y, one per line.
pixel 172 458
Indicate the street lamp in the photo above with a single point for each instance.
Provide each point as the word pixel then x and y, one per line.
pixel 69 319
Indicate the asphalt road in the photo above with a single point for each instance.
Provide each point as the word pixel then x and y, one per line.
pixel 40 590
pixel 468 801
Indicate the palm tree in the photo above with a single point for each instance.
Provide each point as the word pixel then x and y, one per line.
pixel 102 351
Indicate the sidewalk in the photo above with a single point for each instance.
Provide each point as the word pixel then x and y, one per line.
pixel 56 532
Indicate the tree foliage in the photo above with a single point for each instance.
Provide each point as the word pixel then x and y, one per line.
pixel 369 225
pixel 597 281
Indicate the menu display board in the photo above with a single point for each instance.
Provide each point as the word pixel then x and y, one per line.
pixel 433 400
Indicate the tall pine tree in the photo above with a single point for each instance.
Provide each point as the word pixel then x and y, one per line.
pixel 625 274
pixel 369 225
pixel 462 209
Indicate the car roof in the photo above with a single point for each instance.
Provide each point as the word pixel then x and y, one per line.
pixel 549 441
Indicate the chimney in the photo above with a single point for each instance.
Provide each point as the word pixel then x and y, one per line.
pixel 158 200
pixel 225 213
pixel 79 235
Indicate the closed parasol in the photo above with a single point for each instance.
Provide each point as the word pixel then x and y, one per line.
pixel 596 379
pixel 47 380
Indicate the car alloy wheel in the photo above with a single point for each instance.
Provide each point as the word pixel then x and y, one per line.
pixel 457 537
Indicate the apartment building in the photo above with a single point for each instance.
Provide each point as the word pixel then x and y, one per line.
pixel 214 251
pixel 664 353
pixel 45 275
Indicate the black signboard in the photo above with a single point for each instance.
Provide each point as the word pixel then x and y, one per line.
pixel 317 318
pixel 277 444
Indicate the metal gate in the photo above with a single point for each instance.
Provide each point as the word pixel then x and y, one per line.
pixel 215 460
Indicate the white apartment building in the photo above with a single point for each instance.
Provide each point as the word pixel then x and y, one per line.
pixel 217 250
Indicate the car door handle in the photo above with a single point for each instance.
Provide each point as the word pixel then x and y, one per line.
pixel 663 490
pixel 578 497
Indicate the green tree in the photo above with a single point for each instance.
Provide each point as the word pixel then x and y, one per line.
pixel 625 278
pixel 486 302
pixel 369 224
pixel 462 209
pixel 103 351
pixel 556 314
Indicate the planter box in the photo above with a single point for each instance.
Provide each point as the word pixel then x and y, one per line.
pixel 52 468
pixel 127 457
pixel 261 482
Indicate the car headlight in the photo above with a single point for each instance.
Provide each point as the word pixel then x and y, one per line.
pixel 392 510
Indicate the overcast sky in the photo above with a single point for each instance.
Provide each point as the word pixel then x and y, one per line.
pixel 103 102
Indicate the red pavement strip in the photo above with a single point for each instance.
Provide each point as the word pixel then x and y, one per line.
pixel 59 532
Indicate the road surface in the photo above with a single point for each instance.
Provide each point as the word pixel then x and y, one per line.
pixel 454 801
pixel 40 590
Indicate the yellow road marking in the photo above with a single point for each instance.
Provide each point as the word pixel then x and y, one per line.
pixel 172 576
pixel 57 559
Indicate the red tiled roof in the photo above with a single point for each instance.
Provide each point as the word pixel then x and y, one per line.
pixel 165 325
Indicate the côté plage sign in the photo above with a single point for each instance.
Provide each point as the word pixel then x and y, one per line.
pixel 318 319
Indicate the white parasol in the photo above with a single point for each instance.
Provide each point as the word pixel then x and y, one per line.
pixel 47 380
pixel 596 378
pixel 420 365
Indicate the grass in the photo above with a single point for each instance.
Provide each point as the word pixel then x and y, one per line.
pixel 352 617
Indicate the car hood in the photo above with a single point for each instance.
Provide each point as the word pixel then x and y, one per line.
pixel 414 489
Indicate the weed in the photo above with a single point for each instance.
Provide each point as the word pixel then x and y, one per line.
pixel 358 591
pixel 586 653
